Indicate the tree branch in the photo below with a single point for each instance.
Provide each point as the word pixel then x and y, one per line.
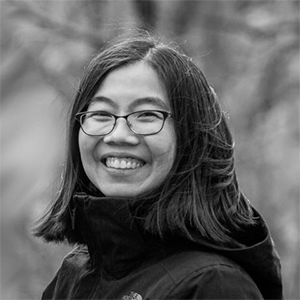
pixel 63 27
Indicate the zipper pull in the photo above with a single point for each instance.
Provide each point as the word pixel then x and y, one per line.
pixel 73 215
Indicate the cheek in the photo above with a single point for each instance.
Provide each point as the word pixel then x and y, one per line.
pixel 164 151
pixel 170 155
pixel 85 148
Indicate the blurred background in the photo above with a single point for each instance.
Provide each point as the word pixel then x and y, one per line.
pixel 249 51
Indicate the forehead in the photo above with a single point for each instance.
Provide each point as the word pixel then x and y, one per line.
pixel 132 85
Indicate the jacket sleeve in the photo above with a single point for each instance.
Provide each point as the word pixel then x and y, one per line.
pixel 217 282
pixel 50 289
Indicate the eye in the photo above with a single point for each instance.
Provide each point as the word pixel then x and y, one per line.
pixel 99 116
pixel 149 116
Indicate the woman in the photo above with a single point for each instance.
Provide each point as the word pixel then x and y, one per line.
pixel 149 191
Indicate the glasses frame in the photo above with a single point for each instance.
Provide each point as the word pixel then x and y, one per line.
pixel 80 117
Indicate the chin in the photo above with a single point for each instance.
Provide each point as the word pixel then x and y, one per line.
pixel 123 194
pixel 122 191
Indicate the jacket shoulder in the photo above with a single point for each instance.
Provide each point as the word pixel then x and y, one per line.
pixel 188 261
pixel 73 264
pixel 78 257
pixel 201 274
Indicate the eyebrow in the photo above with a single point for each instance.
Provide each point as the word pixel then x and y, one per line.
pixel 104 100
pixel 140 101
pixel 149 100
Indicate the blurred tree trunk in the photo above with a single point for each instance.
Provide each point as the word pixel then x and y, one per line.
pixel 146 11
pixel 269 89
pixel 93 11
pixel 185 13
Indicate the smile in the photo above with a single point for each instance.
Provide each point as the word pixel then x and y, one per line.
pixel 123 163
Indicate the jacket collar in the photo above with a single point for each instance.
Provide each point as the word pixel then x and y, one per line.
pixel 115 239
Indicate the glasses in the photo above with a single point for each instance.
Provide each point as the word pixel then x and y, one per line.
pixel 145 122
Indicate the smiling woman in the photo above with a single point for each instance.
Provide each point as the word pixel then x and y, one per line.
pixel 149 191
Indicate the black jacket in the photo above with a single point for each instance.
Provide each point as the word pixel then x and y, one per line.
pixel 122 262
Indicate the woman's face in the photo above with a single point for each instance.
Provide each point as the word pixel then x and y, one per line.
pixel 123 163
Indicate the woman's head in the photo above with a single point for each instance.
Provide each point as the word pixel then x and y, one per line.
pixel 192 177
pixel 128 158
pixel 194 107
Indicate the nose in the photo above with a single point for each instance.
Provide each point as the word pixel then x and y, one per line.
pixel 121 134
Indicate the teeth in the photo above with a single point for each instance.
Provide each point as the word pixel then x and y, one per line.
pixel 123 163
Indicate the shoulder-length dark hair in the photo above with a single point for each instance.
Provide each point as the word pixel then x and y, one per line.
pixel 201 193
